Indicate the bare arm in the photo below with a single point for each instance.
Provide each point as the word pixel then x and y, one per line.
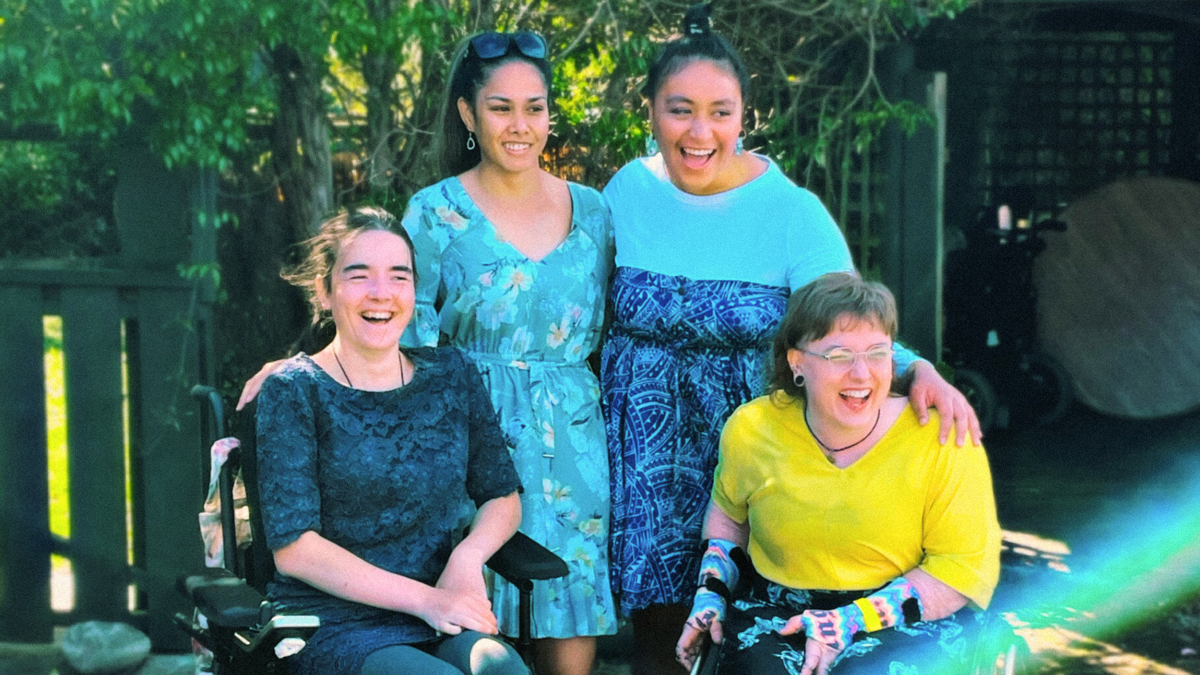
pixel 250 389
pixel 938 600
pixel 324 565
pixel 494 523
pixel 717 525
pixel 929 388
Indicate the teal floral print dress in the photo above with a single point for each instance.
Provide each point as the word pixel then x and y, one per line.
pixel 529 326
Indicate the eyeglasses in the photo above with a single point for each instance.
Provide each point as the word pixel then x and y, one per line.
pixel 492 45
pixel 843 358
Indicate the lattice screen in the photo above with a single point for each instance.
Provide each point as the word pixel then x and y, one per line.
pixel 1062 111
pixel 1072 111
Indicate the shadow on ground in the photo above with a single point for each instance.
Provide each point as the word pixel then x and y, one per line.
pixel 1124 497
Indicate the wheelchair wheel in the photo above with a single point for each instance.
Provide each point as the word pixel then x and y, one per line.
pixel 1049 389
pixel 980 395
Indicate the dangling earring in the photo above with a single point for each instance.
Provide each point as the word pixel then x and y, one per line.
pixel 737 149
pixel 470 140
pixel 798 380
pixel 651 146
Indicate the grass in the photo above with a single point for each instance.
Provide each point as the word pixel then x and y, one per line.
pixel 56 428
pixel 62 593
pixel 62 584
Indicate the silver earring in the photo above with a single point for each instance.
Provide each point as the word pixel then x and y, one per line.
pixel 798 380
pixel 737 149
pixel 651 146
pixel 470 140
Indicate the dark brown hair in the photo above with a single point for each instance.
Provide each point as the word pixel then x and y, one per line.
pixel 698 41
pixel 467 76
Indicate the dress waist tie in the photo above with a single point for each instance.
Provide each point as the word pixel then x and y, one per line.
pixel 542 399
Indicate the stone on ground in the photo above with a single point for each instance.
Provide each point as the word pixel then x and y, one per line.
pixel 103 648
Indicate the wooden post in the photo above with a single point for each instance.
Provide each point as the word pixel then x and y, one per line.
pixel 911 245
pixel 157 212
pixel 151 206
pixel 24 498
pixel 95 437
pixel 171 494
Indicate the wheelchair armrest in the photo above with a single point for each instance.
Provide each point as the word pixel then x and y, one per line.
pixel 521 560
pixel 224 599
pixel 709 659
pixel 284 634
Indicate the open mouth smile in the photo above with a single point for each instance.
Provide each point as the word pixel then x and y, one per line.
pixel 377 318
pixel 695 158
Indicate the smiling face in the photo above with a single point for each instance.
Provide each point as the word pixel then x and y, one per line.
pixel 696 118
pixel 510 117
pixel 843 400
pixel 371 294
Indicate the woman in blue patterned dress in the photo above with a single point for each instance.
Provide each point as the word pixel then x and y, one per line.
pixel 513 267
pixel 710 241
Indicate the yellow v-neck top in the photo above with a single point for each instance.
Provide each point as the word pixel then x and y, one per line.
pixel 909 501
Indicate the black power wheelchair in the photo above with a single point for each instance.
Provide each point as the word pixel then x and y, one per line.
pixel 245 632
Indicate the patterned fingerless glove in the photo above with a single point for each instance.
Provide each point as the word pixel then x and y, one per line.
pixel 896 603
pixel 718 577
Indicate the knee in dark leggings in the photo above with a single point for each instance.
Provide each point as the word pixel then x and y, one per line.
pixel 477 654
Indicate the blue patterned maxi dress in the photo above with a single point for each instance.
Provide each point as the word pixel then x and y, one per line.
pixel 530 326
pixel 680 357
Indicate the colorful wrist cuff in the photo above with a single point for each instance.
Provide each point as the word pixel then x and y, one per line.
pixel 717 563
pixel 707 607
pixel 896 603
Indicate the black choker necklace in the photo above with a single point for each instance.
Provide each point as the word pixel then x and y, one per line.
pixel 847 447
pixel 402 381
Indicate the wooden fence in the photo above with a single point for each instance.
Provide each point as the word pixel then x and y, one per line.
pixel 156 320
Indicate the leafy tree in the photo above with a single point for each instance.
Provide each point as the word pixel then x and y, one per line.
pixel 303 107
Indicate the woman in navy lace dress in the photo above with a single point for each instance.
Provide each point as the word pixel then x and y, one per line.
pixel 369 459
pixel 710 241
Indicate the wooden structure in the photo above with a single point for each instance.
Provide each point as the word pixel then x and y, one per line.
pixel 911 246
pixel 147 313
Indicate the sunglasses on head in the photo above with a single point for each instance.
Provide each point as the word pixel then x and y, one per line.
pixel 492 45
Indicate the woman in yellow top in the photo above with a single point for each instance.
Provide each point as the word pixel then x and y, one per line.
pixel 871 541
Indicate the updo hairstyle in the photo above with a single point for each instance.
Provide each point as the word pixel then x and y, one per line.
pixel 321 251
pixel 698 41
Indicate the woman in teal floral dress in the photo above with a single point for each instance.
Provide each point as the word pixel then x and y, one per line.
pixel 512 269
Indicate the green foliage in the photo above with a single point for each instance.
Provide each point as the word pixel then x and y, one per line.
pixel 90 67
pixel 57 201
pixel 610 135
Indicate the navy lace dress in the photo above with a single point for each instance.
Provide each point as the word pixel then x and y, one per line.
pixel 387 475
